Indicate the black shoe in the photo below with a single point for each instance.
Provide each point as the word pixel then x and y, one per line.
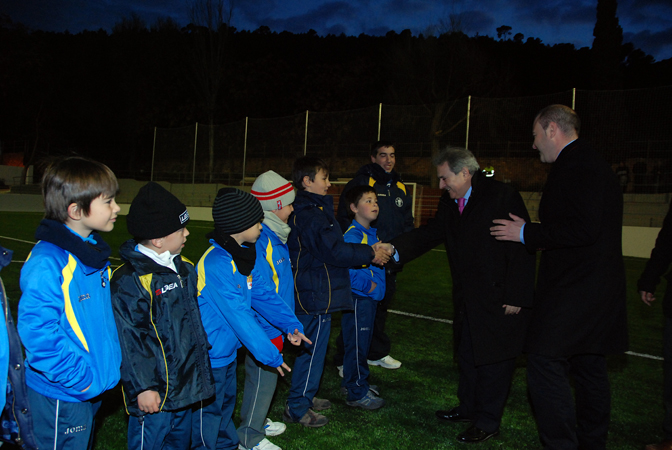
pixel 452 416
pixel 474 434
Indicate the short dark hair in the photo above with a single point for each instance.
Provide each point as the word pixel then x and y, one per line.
pixel 566 118
pixel 378 145
pixel 307 166
pixel 74 179
pixel 354 195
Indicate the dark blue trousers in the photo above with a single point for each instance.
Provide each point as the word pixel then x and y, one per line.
pixel 309 364
pixel 58 424
pixel 213 426
pixel 160 431
pixel 357 331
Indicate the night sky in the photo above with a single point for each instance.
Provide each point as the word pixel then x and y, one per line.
pixel 646 23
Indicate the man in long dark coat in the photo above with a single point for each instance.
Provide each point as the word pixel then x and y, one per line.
pixel 579 313
pixel 657 266
pixel 493 287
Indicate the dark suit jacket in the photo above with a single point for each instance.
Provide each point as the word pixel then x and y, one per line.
pixel 580 298
pixel 486 273
pixel 657 265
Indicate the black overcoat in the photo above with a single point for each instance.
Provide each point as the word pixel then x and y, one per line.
pixel 658 265
pixel 487 273
pixel 580 298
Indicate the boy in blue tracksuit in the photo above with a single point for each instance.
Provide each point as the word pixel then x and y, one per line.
pixel 165 369
pixel 276 195
pixel 232 293
pixel 320 261
pixel 368 288
pixel 65 316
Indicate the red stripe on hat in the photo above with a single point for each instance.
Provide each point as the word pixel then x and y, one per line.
pixel 275 193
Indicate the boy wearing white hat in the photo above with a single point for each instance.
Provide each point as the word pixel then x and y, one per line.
pixel 276 195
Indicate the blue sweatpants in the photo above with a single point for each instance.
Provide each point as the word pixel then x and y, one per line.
pixel 309 364
pixel 58 424
pixel 160 431
pixel 212 425
pixel 357 330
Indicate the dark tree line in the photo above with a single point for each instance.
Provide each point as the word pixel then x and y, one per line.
pixel 101 94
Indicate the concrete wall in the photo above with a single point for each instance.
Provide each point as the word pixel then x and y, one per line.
pixel 11 175
pixel 642 217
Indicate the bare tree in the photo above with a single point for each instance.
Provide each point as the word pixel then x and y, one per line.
pixel 439 72
pixel 607 47
pixel 210 20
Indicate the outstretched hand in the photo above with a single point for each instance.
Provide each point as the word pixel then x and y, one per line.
pixel 509 309
pixel 383 253
pixel 507 230
pixel 647 297
pixel 283 366
pixel 296 338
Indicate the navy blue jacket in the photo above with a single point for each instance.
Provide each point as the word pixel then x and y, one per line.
pixel 16 419
pixel 396 207
pixel 321 257
pixel 149 300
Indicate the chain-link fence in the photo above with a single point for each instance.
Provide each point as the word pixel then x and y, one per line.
pixel 628 127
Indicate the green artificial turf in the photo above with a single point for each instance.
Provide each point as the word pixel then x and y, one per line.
pixel 426 381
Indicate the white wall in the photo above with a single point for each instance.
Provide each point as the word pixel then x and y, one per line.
pixel 12 174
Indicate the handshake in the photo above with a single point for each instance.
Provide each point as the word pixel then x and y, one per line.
pixel 383 253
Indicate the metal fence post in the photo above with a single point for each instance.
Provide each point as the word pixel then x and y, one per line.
pixel 380 117
pixel 305 136
pixel 193 170
pixel 151 175
pixel 466 144
pixel 242 182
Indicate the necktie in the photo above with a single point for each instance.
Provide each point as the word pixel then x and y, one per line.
pixel 460 204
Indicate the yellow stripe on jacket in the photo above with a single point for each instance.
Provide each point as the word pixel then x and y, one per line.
pixel 67 273
pixel 269 258
pixel 146 281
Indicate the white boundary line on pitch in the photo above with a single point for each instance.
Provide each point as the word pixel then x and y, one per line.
pixel 393 311
pixel 448 321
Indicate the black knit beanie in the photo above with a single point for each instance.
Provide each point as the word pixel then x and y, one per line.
pixel 155 213
pixel 234 211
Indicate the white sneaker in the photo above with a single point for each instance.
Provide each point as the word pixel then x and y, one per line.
pixel 274 428
pixel 387 362
pixel 265 444
pixel 340 371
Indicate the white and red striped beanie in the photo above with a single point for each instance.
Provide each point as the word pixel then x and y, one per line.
pixel 273 191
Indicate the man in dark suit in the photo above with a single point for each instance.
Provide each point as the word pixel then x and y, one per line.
pixel 493 287
pixel 656 266
pixel 579 312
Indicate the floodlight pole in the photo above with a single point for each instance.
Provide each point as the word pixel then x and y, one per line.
pixel 242 182
pixel 305 136
pixel 193 169
pixel 151 174
pixel 466 143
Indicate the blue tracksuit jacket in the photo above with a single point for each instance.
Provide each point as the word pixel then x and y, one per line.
pixel 65 319
pixel 361 277
pixel 274 265
pixel 227 298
